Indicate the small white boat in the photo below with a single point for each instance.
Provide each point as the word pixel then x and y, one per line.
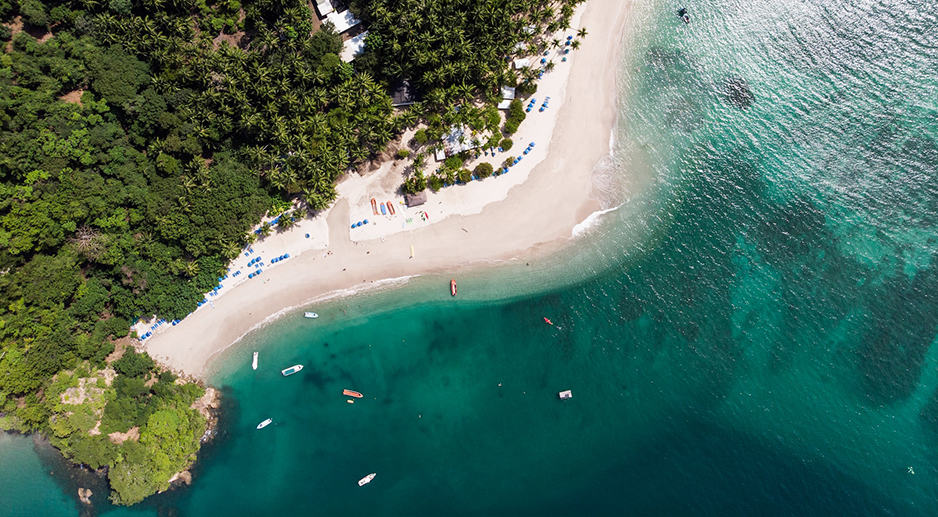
pixel 254 362
pixel 286 372
pixel 367 479
pixel 565 394
pixel 265 423
pixel 310 315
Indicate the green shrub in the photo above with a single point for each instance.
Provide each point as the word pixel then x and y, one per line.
pixel 421 137
pixel 483 170
pixel 514 117
pixel 508 161
pixel 506 144
pixel 5 33
pixel 133 364
pixel 415 183
pixel 435 182
pixel 453 163
pixel 465 175
pixel 402 153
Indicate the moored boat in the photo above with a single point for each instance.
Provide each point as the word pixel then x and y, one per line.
pixel 286 372
pixel 367 479
pixel 452 287
pixel 565 394
pixel 254 362
pixel 265 423
pixel 352 393
pixel 310 315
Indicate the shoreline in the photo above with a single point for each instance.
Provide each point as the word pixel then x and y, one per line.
pixel 537 216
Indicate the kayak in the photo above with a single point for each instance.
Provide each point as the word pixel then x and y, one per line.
pixel 452 287
pixel 374 206
pixel 548 321
pixel 390 207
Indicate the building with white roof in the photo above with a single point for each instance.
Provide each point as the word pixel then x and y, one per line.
pixel 353 47
pixel 324 8
pixel 342 21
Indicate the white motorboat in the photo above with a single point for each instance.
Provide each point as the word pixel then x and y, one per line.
pixel 310 315
pixel 254 362
pixel 367 479
pixel 286 372
pixel 265 423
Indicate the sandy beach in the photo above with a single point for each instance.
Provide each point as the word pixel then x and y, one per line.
pixel 532 210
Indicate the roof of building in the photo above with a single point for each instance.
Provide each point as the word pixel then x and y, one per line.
pixel 353 47
pixel 403 94
pixel 416 199
pixel 458 140
pixel 342 21
pixel 508 92
pixel 521 62
pixel 324 7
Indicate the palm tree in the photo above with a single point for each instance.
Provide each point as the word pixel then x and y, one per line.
pixel 575 45
pixel 582 33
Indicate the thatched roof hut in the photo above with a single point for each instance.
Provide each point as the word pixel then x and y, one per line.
pixel 415 199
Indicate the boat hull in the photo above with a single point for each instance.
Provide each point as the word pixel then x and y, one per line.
pixel 286 372
pixel 352 393
pixel 367 479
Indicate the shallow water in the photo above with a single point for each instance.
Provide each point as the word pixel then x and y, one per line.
pixel 752 332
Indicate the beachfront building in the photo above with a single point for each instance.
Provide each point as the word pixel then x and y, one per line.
pixel 324 8
pixel 508 95
pixel 403 95
pixel 458 139
pixel 343 21
pixel 353 47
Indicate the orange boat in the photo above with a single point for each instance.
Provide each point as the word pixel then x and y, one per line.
pixel 351 393
pixel 452 287
pixel 390 207
pixel 374 206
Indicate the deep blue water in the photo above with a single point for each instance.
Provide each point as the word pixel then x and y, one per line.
pixel 752 333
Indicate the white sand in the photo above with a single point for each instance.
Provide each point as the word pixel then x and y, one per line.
pixel 531 210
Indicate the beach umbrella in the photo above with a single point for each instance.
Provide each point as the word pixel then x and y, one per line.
pixel 366 221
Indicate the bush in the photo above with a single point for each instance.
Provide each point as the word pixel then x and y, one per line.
pixel 514 117
pixel 402 153
pixel 34 13
pixel 416 183
pixel 436 182
pixel 526 89
pixel 453 163
pixel 508 161
pixel 5 33
pixel 506 144
pixel 465 176
pixel 133 364
pixel 421 137
pixel 483 170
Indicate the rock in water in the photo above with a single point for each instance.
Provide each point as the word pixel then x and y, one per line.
pixel 84 495
pixel 737 92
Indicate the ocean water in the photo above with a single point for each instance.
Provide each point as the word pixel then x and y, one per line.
pixel 752 332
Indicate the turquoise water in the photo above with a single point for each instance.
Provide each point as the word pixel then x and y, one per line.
pixel 752 333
